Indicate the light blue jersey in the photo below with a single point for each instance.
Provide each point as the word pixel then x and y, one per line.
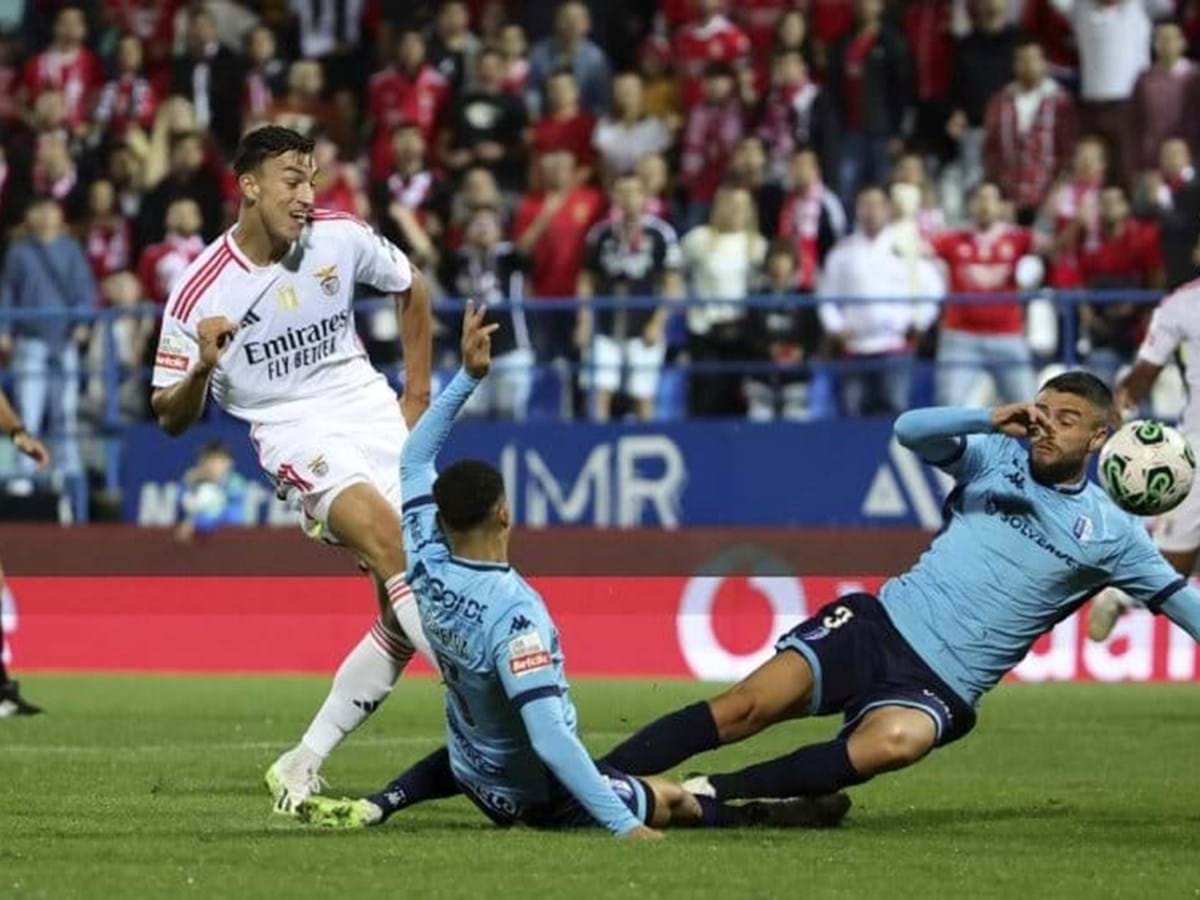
pixel 1014 557
pixel 510 723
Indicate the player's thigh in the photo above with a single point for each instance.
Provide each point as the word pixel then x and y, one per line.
pixel 367 523
pixel 778 690
pixel 645 366
pixel 891 737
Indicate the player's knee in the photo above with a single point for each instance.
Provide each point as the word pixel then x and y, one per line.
pixel 896 744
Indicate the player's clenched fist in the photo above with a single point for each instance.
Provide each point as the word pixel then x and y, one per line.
pixel 1020 420
pixel 214 334
pixel 476 340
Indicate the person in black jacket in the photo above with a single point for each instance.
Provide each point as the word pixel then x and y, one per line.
pixel 210 76
pixel 870 77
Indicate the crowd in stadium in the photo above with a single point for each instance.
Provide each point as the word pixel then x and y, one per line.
pixel 685 148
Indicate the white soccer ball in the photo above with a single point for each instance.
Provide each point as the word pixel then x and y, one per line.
pixel 1147 467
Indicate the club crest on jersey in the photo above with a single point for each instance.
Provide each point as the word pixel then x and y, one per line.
pixel 328 277
pixel 287 299
pixel 1083 529
pixel 319 466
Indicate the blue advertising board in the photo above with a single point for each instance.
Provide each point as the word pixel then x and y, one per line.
pixel 703 473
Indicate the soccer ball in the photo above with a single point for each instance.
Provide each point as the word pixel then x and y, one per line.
pixel 1147 467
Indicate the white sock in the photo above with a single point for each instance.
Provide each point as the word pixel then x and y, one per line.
pixel 404 605
pixel 363 681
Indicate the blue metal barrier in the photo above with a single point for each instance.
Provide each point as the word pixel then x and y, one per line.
pixel 104 425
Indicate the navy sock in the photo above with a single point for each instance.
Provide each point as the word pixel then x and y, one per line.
pixel 715 814
pixel 429 779
pixel 666 742
pixel 3 671
pixel 809 771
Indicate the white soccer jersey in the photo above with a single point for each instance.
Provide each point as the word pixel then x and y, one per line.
pixel 296 353
pixel 1175 325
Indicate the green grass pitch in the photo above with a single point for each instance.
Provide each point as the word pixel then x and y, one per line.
pixel 151 787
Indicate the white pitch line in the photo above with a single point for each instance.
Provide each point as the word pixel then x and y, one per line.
pixel 114 749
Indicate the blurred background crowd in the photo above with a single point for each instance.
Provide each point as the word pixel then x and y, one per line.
pixel 665 160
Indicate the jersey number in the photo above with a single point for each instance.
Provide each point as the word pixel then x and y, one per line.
pixel 838 618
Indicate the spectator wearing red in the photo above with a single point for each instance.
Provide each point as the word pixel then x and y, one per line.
pixel 713 128
pixel 927 27
pixel 1042 21
pixel 984 338
pixel 68 67
pixel 759 19
pixel 870 79
pixel 265 75
pixel 1073 210
pixel 151 21
pixel 831 21
pixel 551 226
pixel 566 125
pixel 710 39
pixel 408 90
pixel 571 48
pixel 128 101
pixel 1126 255
pixel 812 221
pixel 409 199
pixel 105 234
pixel 1029 129
pixel 339 184
pixel 1164 96
pixel 161 265
pixel 796 114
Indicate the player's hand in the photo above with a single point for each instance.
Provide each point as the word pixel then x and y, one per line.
pixel 33 448
pixel 214 333
pixel 642 833
pixel 476 340
pixel 1020 420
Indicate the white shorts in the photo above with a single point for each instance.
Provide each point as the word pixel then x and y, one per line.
pixel 608 358
pixel 313 461
pixel 1179 530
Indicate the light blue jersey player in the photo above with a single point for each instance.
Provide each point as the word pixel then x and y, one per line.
pixel 1027 539
pixel 511 742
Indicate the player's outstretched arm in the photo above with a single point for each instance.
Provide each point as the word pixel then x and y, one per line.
pixel 936 434
pixel 414 310
pixel 417 462
pixel 179 406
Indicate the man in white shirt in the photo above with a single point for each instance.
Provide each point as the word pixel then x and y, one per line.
pixel 263 320
pixel 876 338
pixel 1114 47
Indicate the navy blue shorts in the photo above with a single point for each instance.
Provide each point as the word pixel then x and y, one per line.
pixel 861 662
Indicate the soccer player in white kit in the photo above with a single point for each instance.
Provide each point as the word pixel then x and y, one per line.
pixel 1174 327
pixel 262 319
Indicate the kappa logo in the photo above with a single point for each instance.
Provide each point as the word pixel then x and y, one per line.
pixel 519 623
pixel 328 277
pixel 1016 478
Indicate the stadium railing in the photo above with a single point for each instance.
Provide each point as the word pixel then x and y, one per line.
pixel 106 409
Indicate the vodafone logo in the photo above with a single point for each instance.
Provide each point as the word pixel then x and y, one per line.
pixel 708 658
